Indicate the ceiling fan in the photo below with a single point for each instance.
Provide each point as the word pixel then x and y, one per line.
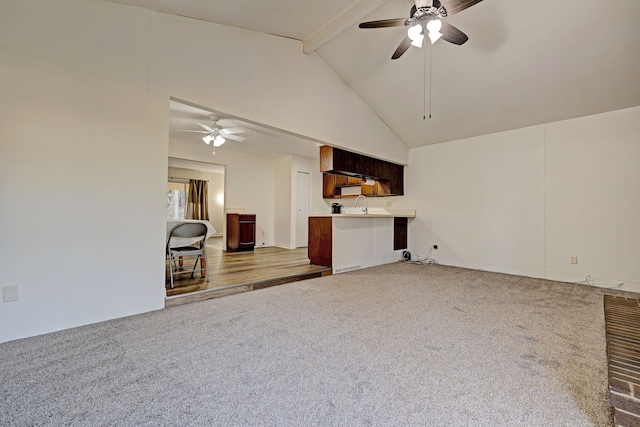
pixel 217 133
pixel 425 17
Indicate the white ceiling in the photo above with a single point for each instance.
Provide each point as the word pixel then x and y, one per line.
pixel 294 19
pixel 526 62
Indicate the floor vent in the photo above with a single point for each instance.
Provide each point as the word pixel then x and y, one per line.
pixel 622 323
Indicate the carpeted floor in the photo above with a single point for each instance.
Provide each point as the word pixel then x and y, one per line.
pixel 393 345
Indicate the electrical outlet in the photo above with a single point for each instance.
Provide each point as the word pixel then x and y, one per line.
pixel 10 293
pixel 574 260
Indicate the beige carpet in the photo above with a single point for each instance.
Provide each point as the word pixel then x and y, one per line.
pixel 393 345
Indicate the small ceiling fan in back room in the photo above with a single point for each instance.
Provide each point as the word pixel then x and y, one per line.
pixel 216 133
pixel 425 18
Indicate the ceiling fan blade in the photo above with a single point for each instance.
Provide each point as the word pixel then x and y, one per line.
pixel 455 6
pixel 402 48
pixel 235 137
pixel 205 127
pixel 452 34
pixel 232 130
pixel 383 23
pixel 196 131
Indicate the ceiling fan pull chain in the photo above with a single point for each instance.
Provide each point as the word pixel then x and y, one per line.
pixel 430 76
pixel 424 87
pixel 424 96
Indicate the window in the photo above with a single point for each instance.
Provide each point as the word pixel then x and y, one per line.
pixel 177 194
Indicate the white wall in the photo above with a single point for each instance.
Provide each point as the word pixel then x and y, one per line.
pixel 82 195
pixel 525 201
pixel 282 198
pixel 85 91
pixel 592 197
pixel 317 205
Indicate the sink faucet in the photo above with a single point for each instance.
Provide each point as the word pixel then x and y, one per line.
pixel 364 209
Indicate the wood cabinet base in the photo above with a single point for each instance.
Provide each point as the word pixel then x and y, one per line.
pixel 320 241
pixel 400 226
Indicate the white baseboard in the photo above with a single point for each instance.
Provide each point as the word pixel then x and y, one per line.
pixel 602 282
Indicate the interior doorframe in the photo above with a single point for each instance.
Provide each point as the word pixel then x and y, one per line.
pixel 307 193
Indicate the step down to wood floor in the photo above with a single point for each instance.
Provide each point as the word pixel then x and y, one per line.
pixel 622 323
pixel 243 287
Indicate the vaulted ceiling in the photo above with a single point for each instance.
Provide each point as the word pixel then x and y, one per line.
pixel 526 62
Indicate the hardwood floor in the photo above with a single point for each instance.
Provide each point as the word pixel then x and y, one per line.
pixel 233 272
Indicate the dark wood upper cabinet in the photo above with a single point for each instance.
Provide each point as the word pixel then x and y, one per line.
pixel 396 180
pixel 343 162
pixel 389 176
pixel 337 161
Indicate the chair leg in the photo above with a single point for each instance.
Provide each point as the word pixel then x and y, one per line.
pixel 205 266
pixel 171 269
pixel 195 264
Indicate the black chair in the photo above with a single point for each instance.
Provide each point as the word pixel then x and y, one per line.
pixel 188 243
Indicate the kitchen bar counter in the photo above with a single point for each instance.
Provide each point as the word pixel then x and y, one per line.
pixel 372 214
pixel 350 241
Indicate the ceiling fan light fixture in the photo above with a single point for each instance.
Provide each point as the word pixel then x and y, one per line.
pixel 207 139
pixel 434 26
pixel 218 141
pixel 416 34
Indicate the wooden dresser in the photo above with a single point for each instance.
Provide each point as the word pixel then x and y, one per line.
pixel 241 232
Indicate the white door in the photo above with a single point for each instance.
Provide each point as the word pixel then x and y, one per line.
pixel 303 185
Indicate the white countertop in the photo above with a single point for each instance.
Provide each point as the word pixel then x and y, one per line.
pixel 406 213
